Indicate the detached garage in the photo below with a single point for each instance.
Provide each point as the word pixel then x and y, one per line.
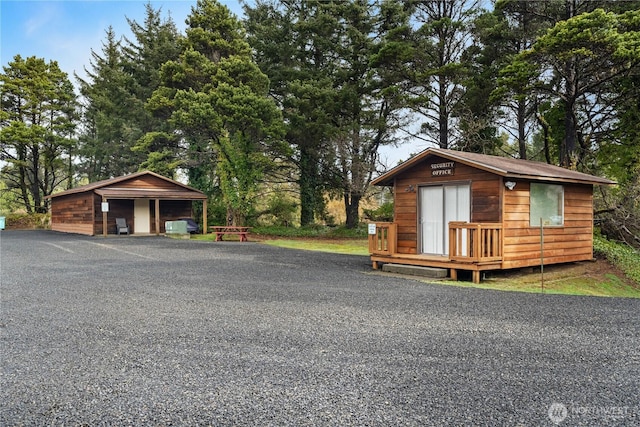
pixel 144 199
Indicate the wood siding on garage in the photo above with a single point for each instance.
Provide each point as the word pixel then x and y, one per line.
pixel 171 210
pixel 568 243
pixel 486 191
pixel 73 214
pixel 147 182
pixel 117 209
pixel 79 210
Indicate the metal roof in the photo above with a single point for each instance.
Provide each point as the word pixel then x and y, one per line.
pixel 503 166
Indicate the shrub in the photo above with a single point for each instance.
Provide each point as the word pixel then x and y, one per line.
pixel 622 256
pixel 17 221
pixel 281 210
pixel 382 214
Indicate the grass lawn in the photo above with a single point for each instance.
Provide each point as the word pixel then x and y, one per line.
pixel 323 239
pixel 347 246
pixel 337 246
pixel 597 278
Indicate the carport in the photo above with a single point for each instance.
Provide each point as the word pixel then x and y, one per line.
pixel 145 199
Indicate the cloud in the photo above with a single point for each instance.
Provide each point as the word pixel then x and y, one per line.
pixel 44 16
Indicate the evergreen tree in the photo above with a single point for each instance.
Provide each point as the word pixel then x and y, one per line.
pixel 618 208
pixel 37 128
pixel 443 35
pixel 107 135
pixel 291 42
pixel 368 95
pixel 155 42
pixel 553 117
pixel 331 64
pixel 508 30
pixel 120 136
pixel 216 99
pixel 574 64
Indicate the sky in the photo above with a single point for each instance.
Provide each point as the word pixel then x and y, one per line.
pixel 67 30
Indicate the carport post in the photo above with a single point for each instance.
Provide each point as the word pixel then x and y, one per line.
pixel 104 218
pixel 157 217
pixel 204 216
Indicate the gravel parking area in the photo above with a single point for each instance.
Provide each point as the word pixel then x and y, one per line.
pixel 158 331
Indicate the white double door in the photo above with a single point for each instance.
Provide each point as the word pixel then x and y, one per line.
pixel 439 205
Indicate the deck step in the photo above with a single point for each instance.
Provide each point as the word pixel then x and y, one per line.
pixel 431 272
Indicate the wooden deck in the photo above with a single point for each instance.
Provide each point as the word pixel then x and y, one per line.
pixel 474 247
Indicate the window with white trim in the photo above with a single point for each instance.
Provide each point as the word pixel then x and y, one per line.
pixel 546 202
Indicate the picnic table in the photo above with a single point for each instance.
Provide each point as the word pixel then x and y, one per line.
pixel 221 230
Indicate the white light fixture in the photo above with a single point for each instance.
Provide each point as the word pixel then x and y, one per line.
pixel 510 185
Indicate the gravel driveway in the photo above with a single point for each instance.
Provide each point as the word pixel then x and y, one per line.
pixel 157 331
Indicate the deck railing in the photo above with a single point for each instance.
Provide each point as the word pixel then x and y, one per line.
pixel 475 242
pixel 382 239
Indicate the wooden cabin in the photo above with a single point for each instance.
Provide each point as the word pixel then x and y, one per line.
pixel 145 199
pixel 474 212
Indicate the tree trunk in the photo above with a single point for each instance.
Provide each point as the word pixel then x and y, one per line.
pixel 70 172
pixel 545 129
pixel 352 207
pixel 24 190
pixel 35 183
pixel 568 143
pixel 235 218
pixel 568 147
pixel 308 187
pixel 443 116
pixel 522 137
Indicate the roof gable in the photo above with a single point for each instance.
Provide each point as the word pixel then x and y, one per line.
pixel 119 184
pixel 503 166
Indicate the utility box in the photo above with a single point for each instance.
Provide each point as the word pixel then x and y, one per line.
pixel 175 227
pixel 2 220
